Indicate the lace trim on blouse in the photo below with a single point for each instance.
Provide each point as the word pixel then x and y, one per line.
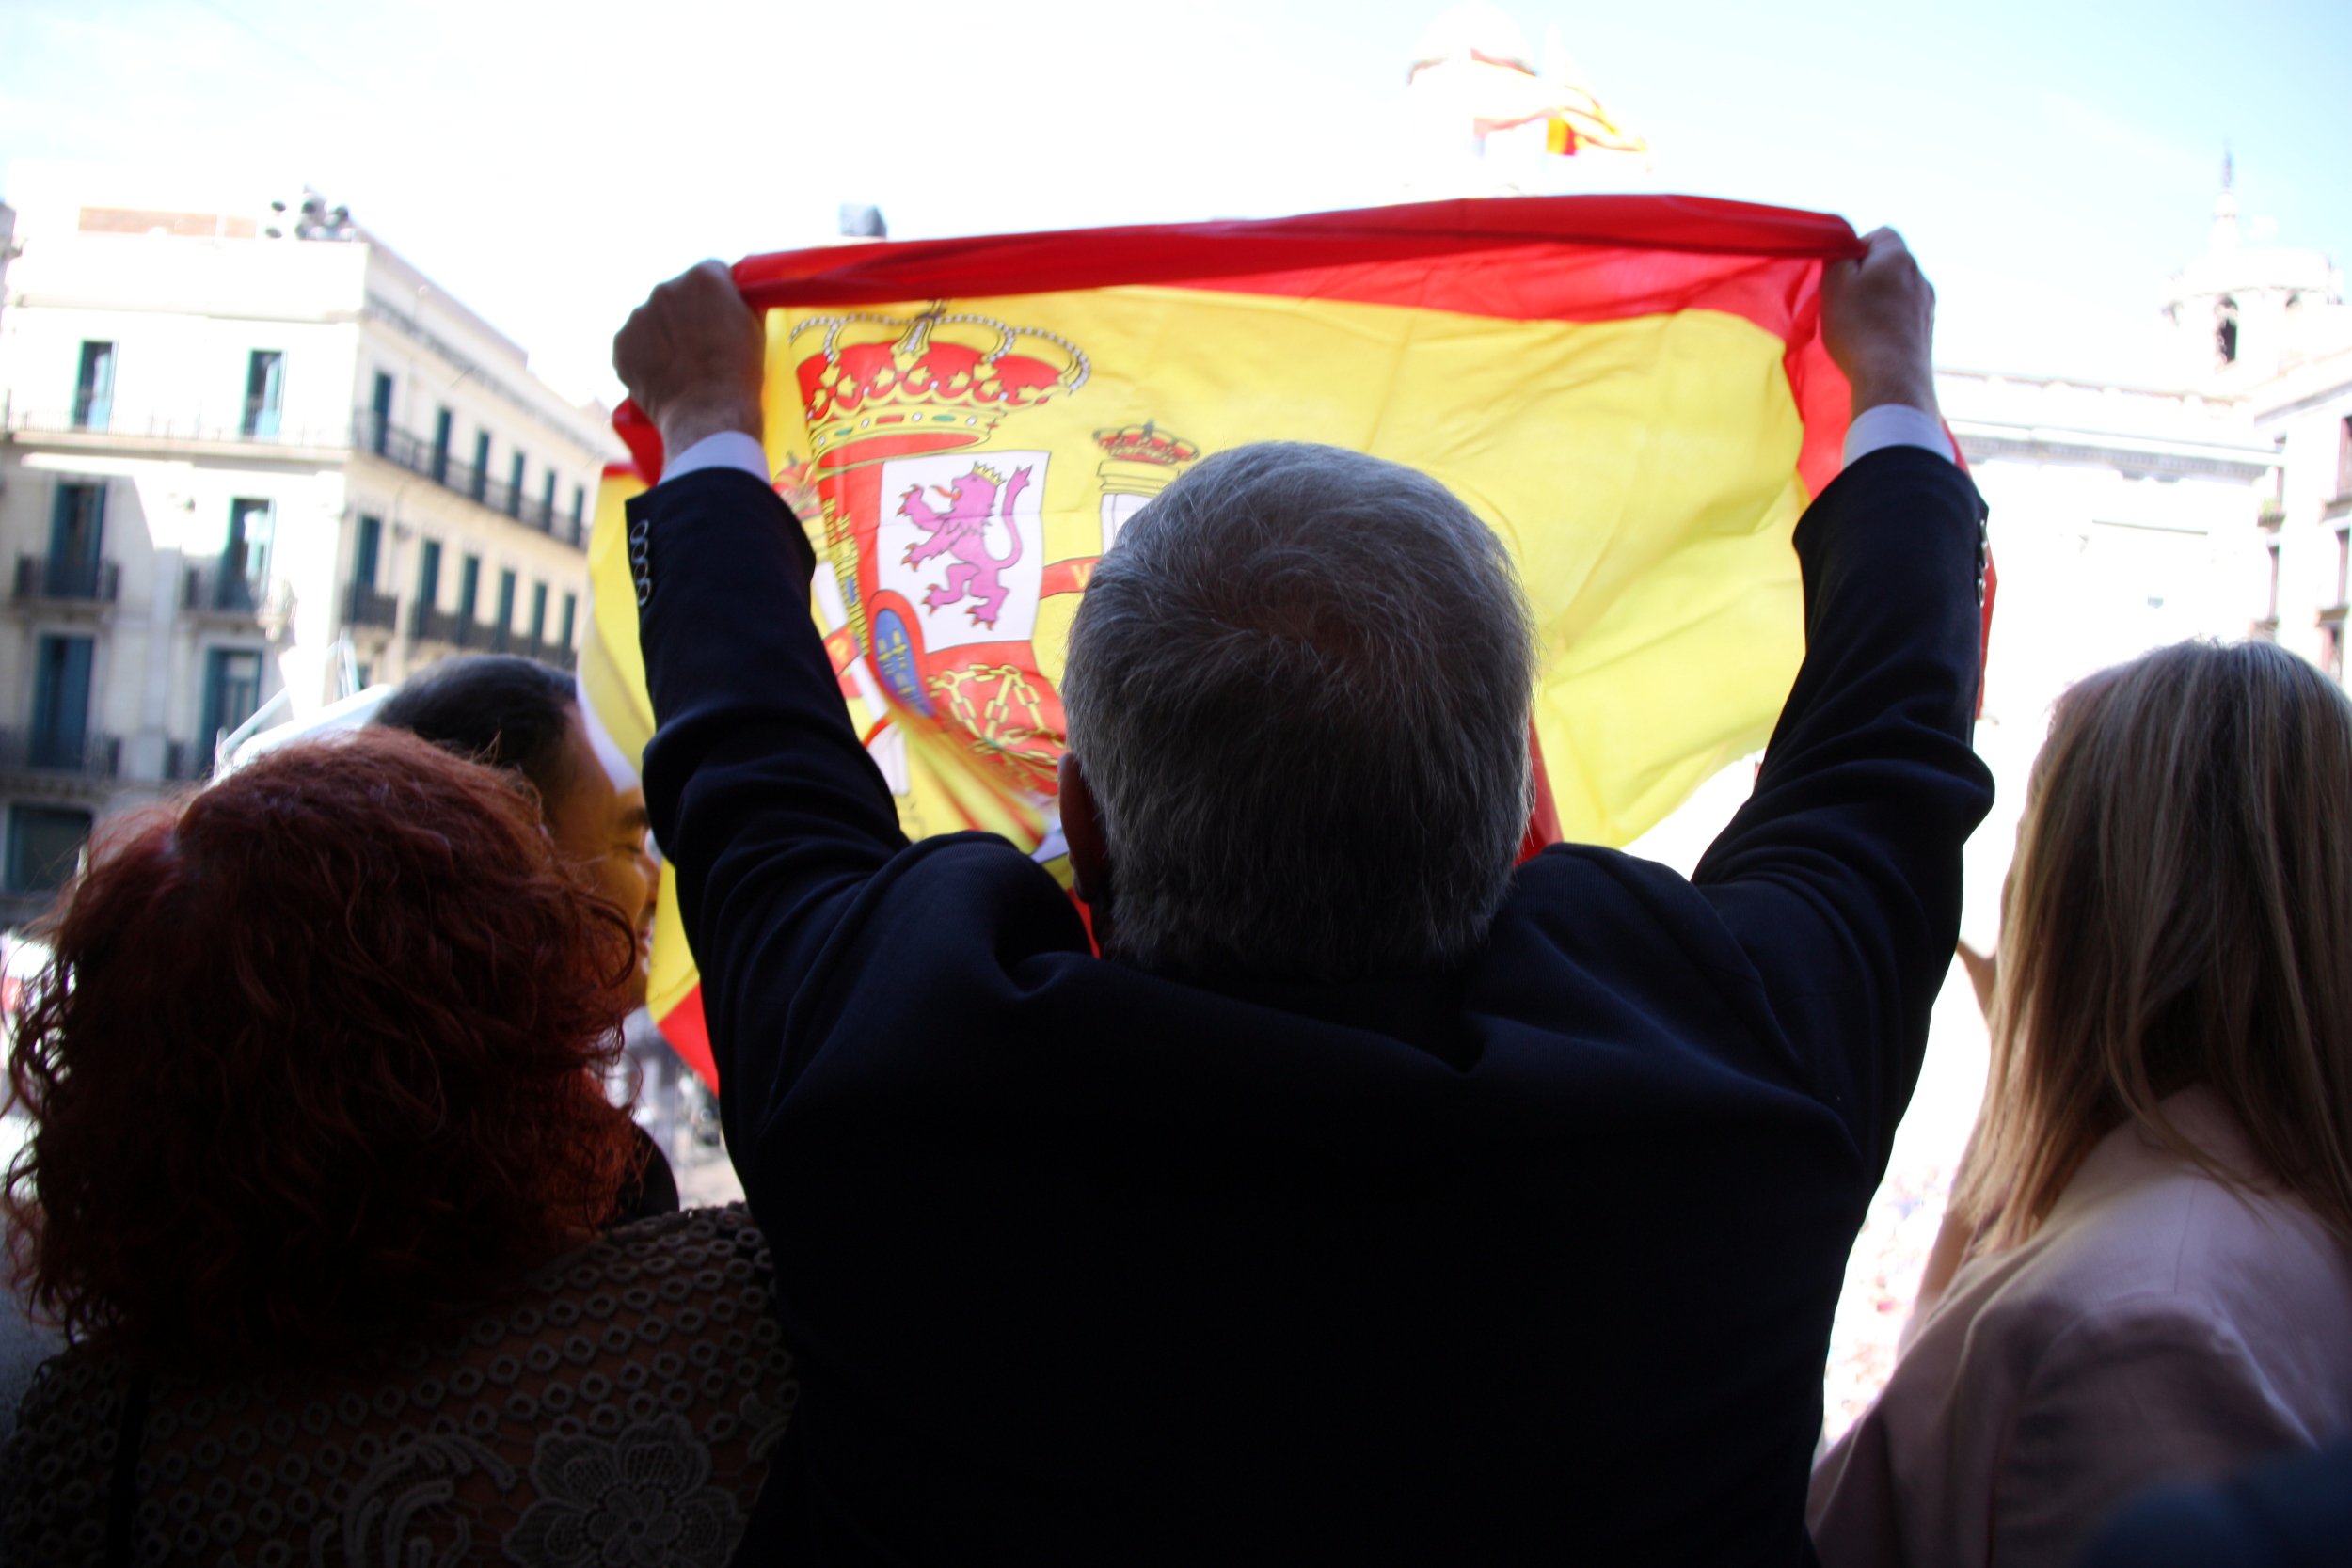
pixel 618 1409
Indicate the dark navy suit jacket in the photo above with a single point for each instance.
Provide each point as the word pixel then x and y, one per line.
pixel 2290 1512
pixel 1534 1261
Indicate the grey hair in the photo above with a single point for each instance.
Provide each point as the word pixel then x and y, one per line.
pixel 1299 686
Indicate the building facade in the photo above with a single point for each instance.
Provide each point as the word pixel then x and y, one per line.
pixel 2263 329
pixel 2306 527
pixel 7 249
pixel 251 460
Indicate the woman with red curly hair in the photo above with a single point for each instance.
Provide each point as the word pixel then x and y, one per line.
pixel 320 1165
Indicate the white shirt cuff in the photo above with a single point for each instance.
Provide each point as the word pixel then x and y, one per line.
pixel 732 449
pixel 1890 425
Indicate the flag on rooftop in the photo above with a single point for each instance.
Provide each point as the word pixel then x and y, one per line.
pixel 1474 64
pixel 1630 390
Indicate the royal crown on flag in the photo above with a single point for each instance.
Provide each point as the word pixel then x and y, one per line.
pixel 876 387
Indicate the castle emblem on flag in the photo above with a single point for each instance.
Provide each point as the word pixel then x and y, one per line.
pixel 1138 462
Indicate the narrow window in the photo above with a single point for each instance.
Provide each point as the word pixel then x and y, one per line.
pixel 2273 610
pixel 579 510
pixel 365 550
pixel 515 488
pixel 440 446
pixel 380 414
pixel 469 589
pixel 538 613
pixel 77 527
pixel 61 674
pixel 506 603
pixel 94 387
pixel 2343 560
pixel 429 574
pixel 264 393
pixel 44 846
pixel 232 690
pixel 245 558
pixel 547 502
pixel 571 611
pixel 480 487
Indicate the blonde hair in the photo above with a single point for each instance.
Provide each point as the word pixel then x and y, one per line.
pixel 2179 914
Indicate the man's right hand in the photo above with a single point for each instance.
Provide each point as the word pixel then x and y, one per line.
pixel 1877 322
pixel 694 357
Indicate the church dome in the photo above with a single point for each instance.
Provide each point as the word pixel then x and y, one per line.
pixel 1473 29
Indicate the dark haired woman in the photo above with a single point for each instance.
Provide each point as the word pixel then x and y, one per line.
pixel 320 1163
pixel 2157 1206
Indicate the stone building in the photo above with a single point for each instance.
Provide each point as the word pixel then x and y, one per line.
pixel 250 461
pixel 2264 329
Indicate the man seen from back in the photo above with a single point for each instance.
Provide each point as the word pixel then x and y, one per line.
pixel 1369 1199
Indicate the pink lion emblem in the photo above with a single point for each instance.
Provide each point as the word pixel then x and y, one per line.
pixel 961 532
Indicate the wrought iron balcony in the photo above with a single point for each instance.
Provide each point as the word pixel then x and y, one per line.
pixel 216 589
pixel 64 580
pixel 365 607
pixel 185 762
pixel 85 752
pixel 428 624
pixel 119 425
pixel 19 910
pixel 421 457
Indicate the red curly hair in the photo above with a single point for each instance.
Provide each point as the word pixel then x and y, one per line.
pixel 318 1060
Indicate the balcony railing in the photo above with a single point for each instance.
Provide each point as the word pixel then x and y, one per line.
pixel 226 426
pixel 87 753
pixel 421 457
pixel 428 624
pixel 403 448
pixel 457 631
pixel 365 607
pixel 20 909
pixel 63 579
pixel 216 590
pixel 185 762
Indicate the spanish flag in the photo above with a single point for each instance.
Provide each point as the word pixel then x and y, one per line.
pixel 1575 121
pixel 1630 390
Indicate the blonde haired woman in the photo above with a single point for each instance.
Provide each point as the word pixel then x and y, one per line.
pixel 2158 1195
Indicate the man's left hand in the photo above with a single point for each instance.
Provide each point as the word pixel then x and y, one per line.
pixel 694 357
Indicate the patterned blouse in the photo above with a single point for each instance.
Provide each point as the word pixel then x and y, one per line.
pixel 619 1408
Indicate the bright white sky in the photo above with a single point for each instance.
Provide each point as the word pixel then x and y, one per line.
pixel 2051 160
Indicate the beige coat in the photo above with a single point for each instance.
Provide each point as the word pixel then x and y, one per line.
pixel 2158 1324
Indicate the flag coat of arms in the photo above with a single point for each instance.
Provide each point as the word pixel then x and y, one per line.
pixel 1630 390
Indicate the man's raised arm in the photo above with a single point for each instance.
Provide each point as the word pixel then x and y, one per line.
pixel 1841 876
pixel 769 811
